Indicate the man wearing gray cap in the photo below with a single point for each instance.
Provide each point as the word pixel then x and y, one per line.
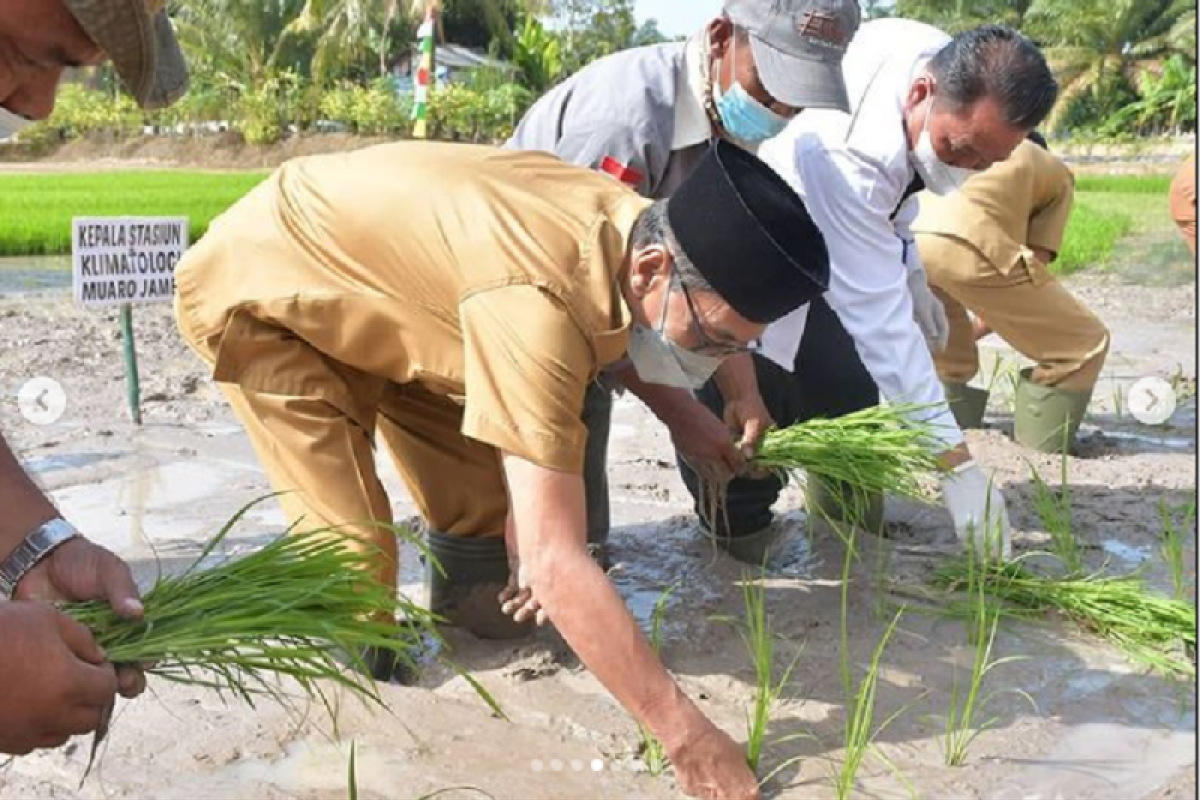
pixel 646 117
pixel 57 682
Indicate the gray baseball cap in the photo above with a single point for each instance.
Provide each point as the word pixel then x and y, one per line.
pixel 138 37
pixel 798 47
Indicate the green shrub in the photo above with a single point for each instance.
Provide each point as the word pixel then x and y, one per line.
pixel 79 111
pixel 265 113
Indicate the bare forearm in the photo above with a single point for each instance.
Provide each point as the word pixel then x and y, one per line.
pixel 549 522
pixel 593 619
pixel 23 506
pixel 665 402
pixel 736 378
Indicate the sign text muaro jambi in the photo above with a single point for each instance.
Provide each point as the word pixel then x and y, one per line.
pixel 119 260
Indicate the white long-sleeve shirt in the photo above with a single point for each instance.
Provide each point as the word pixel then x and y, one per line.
pixel 852 171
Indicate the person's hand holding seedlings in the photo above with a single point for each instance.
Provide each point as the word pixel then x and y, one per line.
pixel 80 571
pixel 58 681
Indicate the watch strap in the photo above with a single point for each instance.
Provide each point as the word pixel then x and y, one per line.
pixel 29 553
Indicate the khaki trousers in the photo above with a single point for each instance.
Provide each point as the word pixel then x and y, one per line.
pixel 1027 307
pixel 321 454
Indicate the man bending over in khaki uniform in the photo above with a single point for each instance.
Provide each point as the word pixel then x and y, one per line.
pixel 987 250
pixel 459 300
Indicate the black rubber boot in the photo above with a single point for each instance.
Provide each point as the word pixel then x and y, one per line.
pixel 386 666
pixel 465 591
pixel 597 417
pixel 967 403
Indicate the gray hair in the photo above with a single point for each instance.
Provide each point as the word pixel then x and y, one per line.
pixel 653 227
pixel 998 62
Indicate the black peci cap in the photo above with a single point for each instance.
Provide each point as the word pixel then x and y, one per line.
pixel 749 234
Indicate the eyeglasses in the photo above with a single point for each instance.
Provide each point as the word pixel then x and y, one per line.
pixel 708 345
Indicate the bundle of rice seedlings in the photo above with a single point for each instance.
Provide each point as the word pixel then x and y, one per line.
pixel 302 607
pixel 885 449
pixel 1149 628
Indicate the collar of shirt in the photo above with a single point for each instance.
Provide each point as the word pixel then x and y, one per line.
pixel 691 121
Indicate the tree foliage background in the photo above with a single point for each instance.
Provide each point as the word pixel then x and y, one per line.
pixel 267 67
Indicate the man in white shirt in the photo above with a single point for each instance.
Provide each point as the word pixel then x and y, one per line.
pixel 927 111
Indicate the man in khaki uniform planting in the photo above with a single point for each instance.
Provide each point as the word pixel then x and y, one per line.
pixel 987 250
pixel 459 300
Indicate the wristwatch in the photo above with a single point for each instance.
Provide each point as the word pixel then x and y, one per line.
pixel 37 545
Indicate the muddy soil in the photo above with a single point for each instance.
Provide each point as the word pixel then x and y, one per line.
pixel 1098 726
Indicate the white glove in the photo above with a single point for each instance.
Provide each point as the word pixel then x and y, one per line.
pixel 979 511
pixel 928 311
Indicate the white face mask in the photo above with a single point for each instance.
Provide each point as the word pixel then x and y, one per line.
pixel 11 124
pixel 659 360
pixel 941 179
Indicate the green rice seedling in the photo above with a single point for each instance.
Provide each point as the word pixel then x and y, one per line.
pixel 653 752
pixel 760 641
pixel 352 774
pixel 880 450
pixel 962 725
pixel 1149 628
pixel 861 730
pixel 1172 547
pixel 1054 508
pixel 1183 386
pixel 298 608
pixel 1003 368
pixel 1118 397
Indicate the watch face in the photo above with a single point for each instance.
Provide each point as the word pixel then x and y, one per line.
pixel 1152 401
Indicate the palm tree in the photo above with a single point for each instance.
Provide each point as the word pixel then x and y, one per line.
pixel 955 16
pixel 1099 47
pixel 243 40
pixel 348 31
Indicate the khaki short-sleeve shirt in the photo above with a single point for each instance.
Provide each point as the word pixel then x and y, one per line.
pixel 489 277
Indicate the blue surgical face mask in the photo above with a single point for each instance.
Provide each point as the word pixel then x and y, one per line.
pixel 743 117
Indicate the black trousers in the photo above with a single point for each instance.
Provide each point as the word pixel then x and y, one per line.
pixel 829 381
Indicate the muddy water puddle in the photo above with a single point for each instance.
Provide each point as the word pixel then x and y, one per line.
pixel 26 274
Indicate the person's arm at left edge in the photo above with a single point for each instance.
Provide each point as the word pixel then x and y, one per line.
pixel 77 570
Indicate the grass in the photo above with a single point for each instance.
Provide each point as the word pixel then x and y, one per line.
pixel 1149 628
pixel 1054 509
pixel 1157 185
pixel 962 725
pixel 37 209
pixel 861 730
pixel 760 641
pixel 1173 540
pixel 300 608
pixel 1109 208
pixel 1092 236
pixel 653 752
